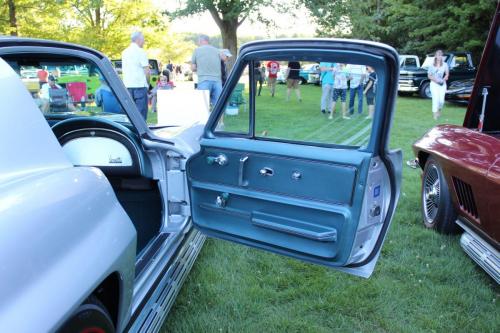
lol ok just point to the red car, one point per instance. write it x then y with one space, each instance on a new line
461 167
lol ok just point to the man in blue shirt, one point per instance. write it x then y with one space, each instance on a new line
327 85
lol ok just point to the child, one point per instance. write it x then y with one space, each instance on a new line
163 84
369 91
340 90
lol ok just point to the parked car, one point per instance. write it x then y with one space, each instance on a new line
461 167
460 91
407 61
415 80
103 217
310 73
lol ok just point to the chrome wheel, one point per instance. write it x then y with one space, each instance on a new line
431 194
428 91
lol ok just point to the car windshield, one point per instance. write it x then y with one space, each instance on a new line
429 60
65 87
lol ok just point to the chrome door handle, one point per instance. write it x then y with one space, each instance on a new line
241 171
220 159
267 172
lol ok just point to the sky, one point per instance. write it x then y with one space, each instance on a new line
286 24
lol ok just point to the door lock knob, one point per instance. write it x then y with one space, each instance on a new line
221 200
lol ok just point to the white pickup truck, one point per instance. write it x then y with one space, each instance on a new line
408 61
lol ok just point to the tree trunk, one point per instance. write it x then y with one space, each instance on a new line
228 30
12 17
98 18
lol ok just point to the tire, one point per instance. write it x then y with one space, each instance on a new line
425 90
303 81
90 317
437 208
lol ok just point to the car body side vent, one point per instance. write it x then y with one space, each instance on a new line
465 197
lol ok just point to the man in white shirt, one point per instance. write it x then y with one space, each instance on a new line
135 70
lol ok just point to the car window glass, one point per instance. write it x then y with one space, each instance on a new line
235 119
323 102
411 62
459 61
64 86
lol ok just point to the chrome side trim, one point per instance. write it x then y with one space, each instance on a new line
155 311
480 251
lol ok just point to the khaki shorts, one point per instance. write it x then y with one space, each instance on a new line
271 81
292 83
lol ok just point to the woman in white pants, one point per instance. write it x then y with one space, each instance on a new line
438 74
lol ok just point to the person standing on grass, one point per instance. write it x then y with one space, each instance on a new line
225 54
327 81
339 90
206 62
43 76
273 67
258 77
356 78
136 73
293 79
438 73
370 90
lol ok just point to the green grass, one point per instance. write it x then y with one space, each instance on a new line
423 281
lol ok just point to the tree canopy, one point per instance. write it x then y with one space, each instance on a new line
411 26
228 15
105 25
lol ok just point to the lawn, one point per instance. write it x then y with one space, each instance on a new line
423 281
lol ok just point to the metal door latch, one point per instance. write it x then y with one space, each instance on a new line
375 211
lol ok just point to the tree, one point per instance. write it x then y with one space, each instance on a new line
32 18
105 25
411 26
228 15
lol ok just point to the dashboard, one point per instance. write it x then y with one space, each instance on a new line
112 147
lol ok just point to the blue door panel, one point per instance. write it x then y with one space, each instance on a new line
312 180
315 215
304 230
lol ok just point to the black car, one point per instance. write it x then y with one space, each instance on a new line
460 91
416 80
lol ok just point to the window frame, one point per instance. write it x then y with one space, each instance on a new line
299 54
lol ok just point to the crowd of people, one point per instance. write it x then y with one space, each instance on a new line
209 63
338 80
335 80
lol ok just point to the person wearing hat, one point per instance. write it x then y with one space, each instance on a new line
224 55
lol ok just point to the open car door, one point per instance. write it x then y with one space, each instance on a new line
278 174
